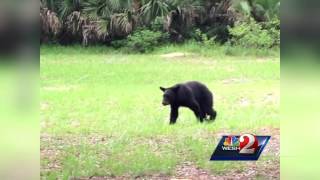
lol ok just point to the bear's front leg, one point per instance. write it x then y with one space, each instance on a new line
173 114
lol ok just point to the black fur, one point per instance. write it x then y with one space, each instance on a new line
194 95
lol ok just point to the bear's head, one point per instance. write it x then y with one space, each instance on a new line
169 95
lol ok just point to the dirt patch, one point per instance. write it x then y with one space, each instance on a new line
271 98
52 148
190 58
235 81
59 88
188 171
273 146
176 55
44 106
58 141
268 167
243 102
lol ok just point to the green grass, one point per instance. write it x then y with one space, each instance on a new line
101 111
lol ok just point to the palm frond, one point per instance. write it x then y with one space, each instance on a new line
66 7
120 24
154 8
50 24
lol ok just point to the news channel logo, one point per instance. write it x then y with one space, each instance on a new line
240 147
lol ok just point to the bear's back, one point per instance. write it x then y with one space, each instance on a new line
199 90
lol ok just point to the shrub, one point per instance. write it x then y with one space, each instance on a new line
119 43
145 40
273 28
203 38
157 24
251 34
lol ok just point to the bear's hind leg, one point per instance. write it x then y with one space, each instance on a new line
203 111
212 114
197 111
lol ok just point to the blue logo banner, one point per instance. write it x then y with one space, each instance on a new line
240 148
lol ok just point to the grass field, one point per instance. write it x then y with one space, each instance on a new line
101 112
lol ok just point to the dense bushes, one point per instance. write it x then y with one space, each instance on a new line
251 34
142 40
140 26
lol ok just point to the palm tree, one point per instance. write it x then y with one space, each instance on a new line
98 20
271 8
261 10
136 6
116 15
154 8
205 14
50 25
105 8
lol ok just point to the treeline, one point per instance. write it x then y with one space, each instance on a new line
140 24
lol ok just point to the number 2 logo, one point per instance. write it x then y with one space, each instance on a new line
248 144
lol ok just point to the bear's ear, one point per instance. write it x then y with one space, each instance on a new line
163 89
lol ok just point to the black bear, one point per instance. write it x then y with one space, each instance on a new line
193 95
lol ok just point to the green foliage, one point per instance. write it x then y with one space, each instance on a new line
66 7
119 43
104 21
157 24
251 34
154 8
145 40
265 9
203 38
142 40
271 8
105 8
273 27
